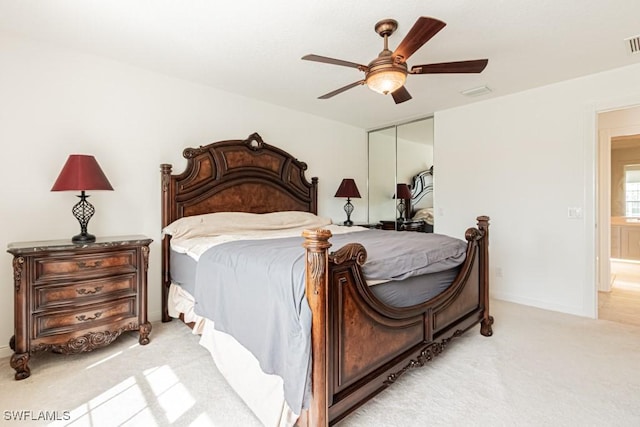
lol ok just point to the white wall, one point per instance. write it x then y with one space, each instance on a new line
524 160
55 102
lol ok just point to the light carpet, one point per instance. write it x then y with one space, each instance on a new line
540 368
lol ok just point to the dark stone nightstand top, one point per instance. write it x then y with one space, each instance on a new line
66 244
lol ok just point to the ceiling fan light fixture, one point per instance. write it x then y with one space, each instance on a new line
386 81
387 73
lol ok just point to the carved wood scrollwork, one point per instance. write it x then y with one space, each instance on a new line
85 265
18 264
426 355
473 234
84 291
352 251
84 318
190 153
316 262
485 327
145 257
145 330
165 170
87 342
316 243
20 362
254 142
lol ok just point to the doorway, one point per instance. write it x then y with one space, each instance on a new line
619 230
622 303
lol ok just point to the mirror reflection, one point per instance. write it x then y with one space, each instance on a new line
401 158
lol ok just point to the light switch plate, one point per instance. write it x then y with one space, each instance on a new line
574 213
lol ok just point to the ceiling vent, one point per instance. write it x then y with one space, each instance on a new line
476 91
633 44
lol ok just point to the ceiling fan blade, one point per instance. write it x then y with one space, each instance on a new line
326 60
421 32
401 95
475 66
342 89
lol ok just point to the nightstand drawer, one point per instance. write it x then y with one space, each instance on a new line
80 266
88 317
52 295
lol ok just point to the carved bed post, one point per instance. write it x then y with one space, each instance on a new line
317 244
166 219
487 320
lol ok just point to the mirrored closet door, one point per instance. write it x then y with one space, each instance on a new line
401 176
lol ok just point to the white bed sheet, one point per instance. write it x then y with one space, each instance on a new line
196 246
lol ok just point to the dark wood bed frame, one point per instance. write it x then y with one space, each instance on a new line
359 344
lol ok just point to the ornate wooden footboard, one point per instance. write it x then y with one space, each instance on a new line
359 344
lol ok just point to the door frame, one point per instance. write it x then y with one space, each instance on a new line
603 197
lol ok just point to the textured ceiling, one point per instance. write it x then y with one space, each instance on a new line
253 47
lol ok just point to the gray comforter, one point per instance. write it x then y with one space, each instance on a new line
254 290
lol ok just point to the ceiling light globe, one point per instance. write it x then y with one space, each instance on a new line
386 81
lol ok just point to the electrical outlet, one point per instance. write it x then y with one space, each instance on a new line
498 271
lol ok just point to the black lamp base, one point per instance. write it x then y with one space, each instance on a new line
401 209
348 208
83 211
83 238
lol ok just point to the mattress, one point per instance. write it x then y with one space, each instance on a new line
397 293
183 271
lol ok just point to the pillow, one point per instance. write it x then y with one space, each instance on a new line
424 214
219 223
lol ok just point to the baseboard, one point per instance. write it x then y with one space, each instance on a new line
5 351
545 305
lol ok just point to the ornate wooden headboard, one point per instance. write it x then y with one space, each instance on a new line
233 176
237 176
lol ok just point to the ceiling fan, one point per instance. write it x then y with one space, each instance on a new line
388 72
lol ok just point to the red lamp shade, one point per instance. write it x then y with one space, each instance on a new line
348 188
403 191
81 172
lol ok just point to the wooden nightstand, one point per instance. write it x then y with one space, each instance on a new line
72 297
406 225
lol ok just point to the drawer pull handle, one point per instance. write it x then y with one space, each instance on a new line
84 291
95 264
83 318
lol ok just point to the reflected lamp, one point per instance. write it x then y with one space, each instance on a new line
403 193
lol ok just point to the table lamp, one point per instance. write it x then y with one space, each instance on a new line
348 189
80 173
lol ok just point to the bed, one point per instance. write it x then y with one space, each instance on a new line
357 343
